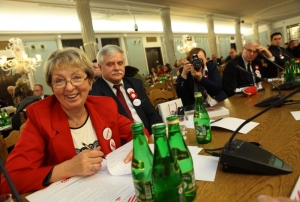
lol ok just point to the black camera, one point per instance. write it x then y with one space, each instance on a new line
197 62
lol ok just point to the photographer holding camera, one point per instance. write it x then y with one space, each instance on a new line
198 75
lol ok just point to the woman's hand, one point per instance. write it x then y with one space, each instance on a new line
86 162
128 157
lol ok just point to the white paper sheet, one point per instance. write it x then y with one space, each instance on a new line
296 191
115 160
296 115
98 187
228 123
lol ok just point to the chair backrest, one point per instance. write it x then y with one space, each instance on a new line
161 86
157 96
3 150
22 126
12 138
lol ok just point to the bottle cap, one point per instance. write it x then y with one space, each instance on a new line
172 119
158 128
197 94
137 127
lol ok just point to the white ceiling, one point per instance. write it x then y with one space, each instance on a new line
187 16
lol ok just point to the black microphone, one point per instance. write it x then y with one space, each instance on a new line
268 101
10 183
245 157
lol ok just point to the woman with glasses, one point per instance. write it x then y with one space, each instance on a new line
69 133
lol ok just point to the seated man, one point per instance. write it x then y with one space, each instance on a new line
234 78
281 54
38 90
128 92
207 78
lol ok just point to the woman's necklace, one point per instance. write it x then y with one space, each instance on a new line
77 122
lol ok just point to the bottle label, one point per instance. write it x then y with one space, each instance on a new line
180 154
200 130
137 164
181 192
189 181
143 190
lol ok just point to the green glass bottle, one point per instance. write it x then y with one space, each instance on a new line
183 157
1 119
6 118
141 166
166 173
201 121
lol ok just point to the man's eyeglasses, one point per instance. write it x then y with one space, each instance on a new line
251 51
75 81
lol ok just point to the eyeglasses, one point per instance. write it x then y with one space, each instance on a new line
75 81
251 51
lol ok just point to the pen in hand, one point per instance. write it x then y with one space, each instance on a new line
89 148
216 120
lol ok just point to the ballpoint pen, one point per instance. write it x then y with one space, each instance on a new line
216 120
89 148
86 146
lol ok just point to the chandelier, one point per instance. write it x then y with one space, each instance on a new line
187 44
21 63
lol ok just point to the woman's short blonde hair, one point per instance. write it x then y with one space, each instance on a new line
67 57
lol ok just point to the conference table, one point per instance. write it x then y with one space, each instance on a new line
278 132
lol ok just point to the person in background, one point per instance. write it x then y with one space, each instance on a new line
174 71
22 90
129 93
281 54
286 45
265 198
131 71
234 78
232 54
11 90
38 90
161 70
2 103
97 70
153 71
167 68
292 45
216 60
207 78
51 150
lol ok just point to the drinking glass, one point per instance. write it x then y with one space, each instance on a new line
182 124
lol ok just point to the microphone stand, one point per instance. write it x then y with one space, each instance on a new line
238 158
260 113
10 183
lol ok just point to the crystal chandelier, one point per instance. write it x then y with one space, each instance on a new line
21 63
187 45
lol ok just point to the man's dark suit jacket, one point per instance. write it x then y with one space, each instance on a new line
147 113
276 51
235 78
212 84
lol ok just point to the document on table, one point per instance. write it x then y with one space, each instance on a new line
101 186
296 115
228 123
296 191
115 160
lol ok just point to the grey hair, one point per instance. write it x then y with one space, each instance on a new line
251 42
108 50
67 57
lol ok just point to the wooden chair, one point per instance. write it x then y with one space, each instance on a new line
161 86
3 150
157 96
6 143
